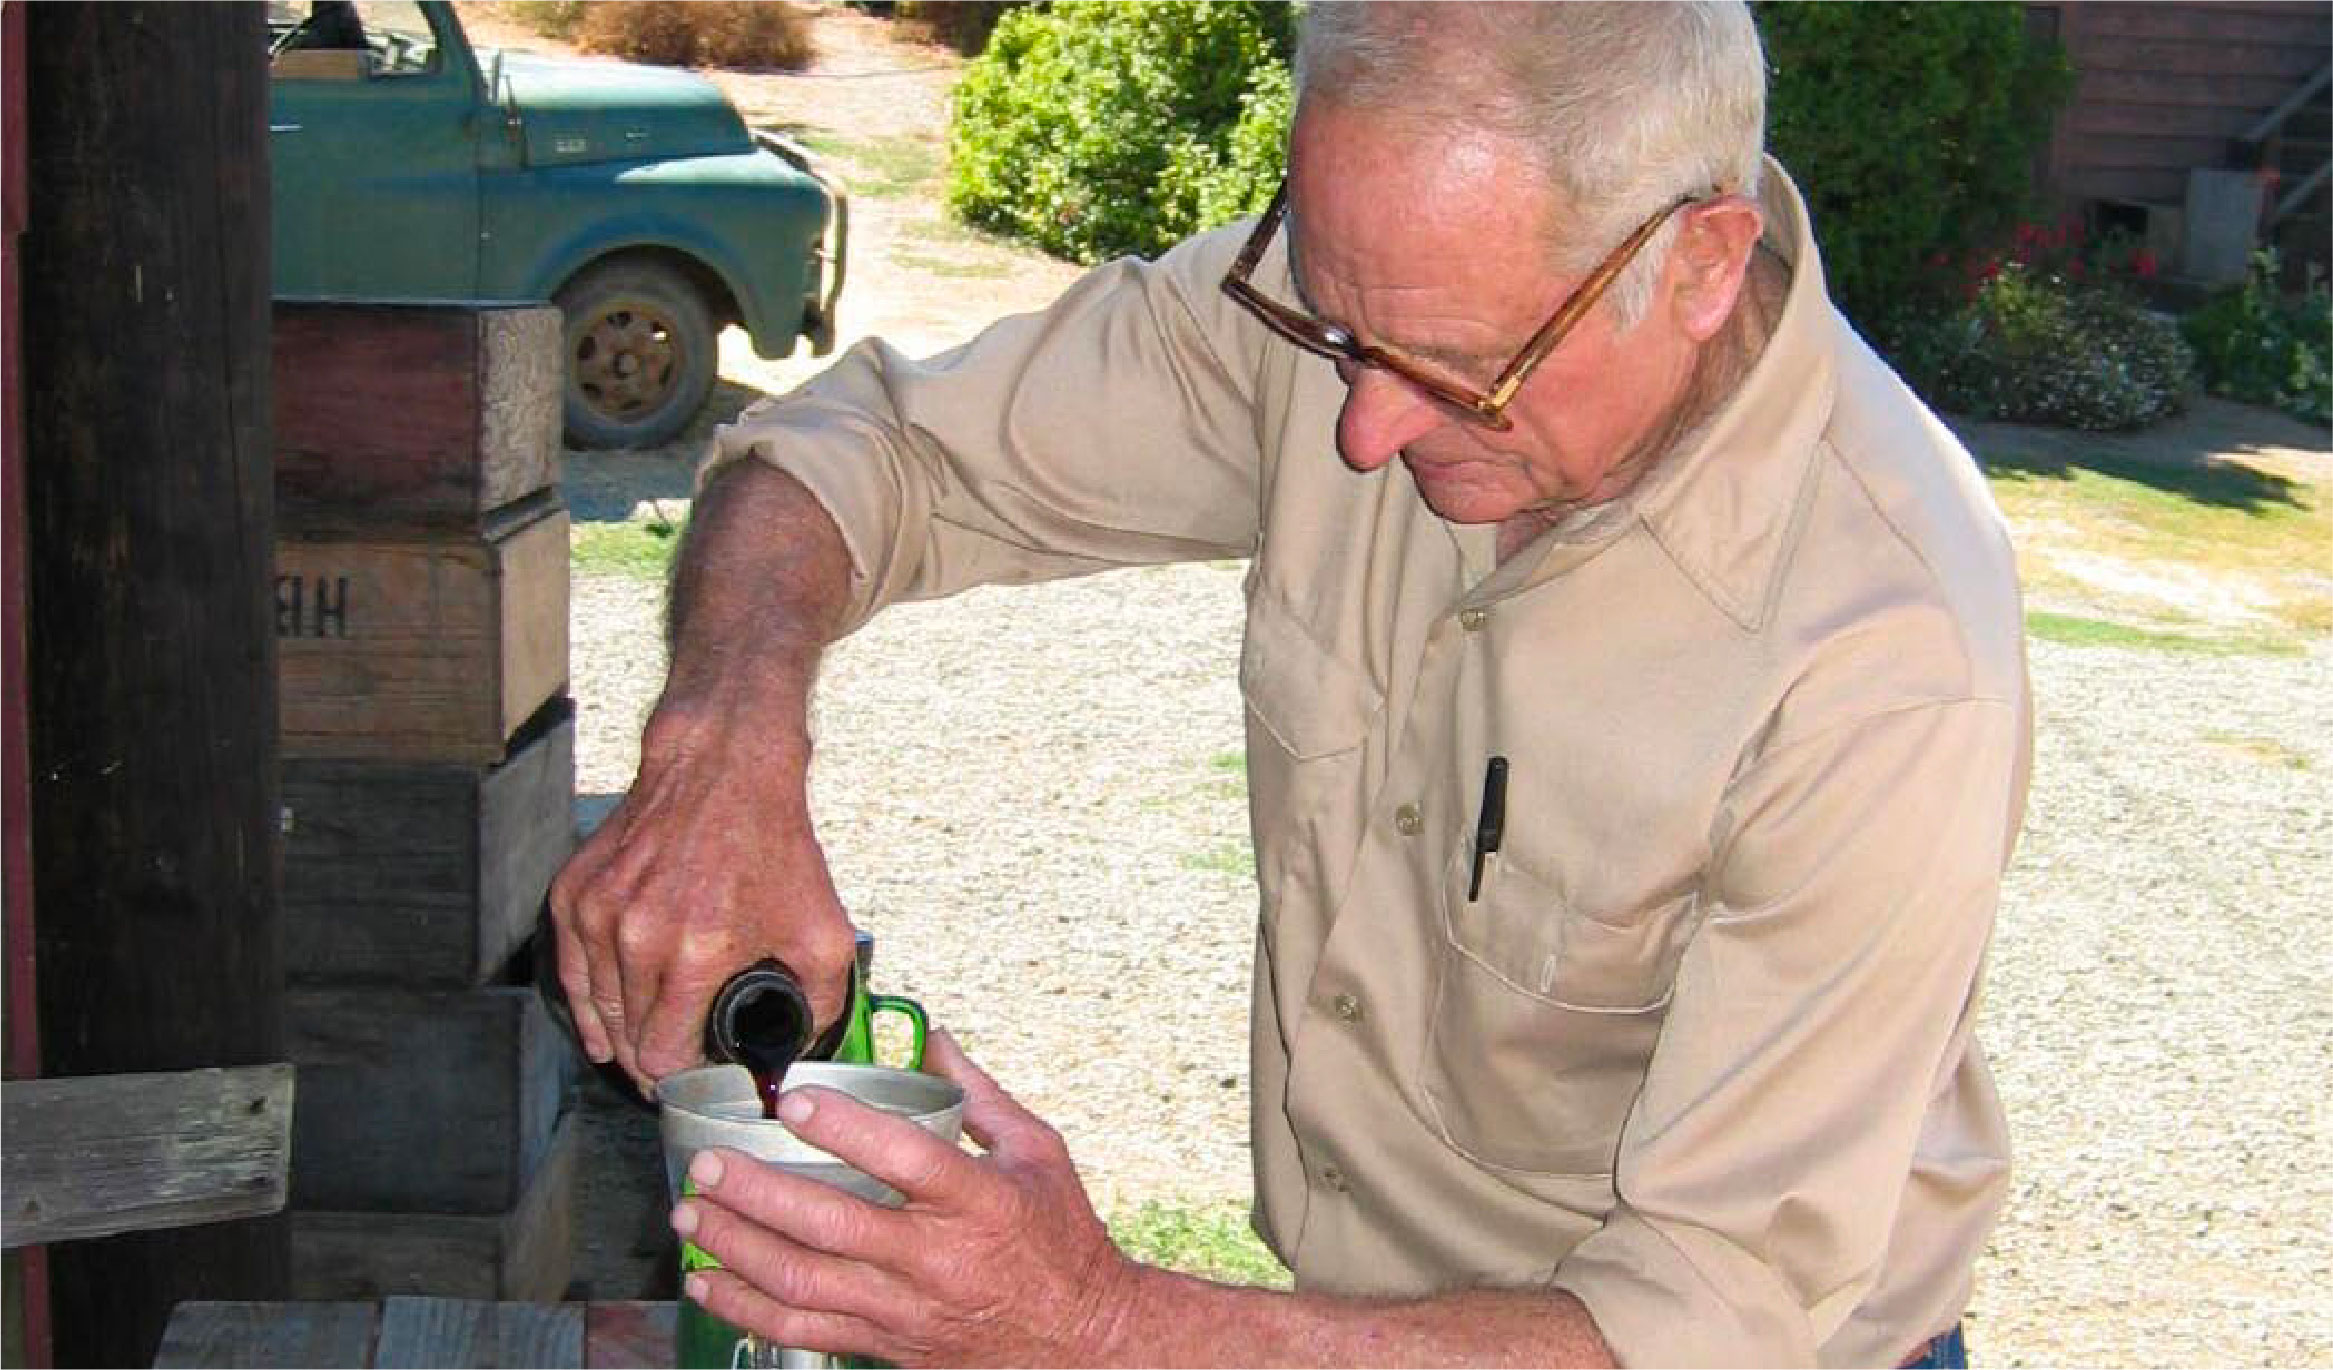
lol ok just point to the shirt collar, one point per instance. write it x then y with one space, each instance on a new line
1723 505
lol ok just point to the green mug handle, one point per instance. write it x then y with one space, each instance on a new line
906 1008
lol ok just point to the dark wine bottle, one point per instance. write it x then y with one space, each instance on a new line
761 1020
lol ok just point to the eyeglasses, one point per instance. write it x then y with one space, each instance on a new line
1486 407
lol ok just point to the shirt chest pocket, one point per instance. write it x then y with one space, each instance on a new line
1308 715
1544 1017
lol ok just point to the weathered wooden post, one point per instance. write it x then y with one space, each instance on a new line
150 633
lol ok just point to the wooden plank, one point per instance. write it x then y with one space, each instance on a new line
417 649
2291 62
628 1335
2253 94
328 1336
419 874
422 1100
2219 124
405 415
526 829
91 1156
2208 22
2098 150
533 619
523 1254
427 1332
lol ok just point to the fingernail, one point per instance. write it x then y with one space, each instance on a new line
695 1286
684 1218
795 1107
705 1168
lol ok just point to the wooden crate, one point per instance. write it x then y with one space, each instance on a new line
424 874
403 648
422 1101
524 1253
412 415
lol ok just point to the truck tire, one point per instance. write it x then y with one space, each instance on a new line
640 354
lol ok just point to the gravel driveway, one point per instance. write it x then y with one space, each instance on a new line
1028 795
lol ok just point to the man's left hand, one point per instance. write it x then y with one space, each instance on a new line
995 1259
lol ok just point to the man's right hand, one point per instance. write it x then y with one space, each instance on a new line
709 863
706 866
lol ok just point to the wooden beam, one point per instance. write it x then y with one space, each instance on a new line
96 1155
419 1332
150 649
294 1336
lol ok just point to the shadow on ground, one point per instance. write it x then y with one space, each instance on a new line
2210 480
609 487
2218 453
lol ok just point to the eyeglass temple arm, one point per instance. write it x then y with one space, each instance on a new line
1582 300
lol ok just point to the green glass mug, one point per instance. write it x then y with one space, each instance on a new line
766 1001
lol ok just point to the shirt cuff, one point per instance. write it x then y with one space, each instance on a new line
1687 1298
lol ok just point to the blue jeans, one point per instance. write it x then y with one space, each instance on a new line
1948 1351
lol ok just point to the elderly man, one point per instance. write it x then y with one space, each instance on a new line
1632 768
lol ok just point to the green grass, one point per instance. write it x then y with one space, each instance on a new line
1230 859
1230 780
2075 630
884 168
2153 547
954 268
1211 1241
2266 750
643 551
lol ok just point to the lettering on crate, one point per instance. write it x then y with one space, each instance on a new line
311 606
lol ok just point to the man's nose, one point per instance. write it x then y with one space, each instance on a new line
1383 414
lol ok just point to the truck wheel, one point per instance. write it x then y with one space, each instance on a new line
640 354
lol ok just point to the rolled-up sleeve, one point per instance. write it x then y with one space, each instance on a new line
1116 427
1821 1006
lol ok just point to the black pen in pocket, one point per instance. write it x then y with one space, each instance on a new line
1491 827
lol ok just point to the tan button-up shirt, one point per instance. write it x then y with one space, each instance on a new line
1699 1050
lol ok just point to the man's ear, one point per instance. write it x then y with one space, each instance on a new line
1709 261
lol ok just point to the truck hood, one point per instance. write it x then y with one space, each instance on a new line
577 112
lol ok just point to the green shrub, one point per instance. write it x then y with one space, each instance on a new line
2033 347
1222 183
1911 129
2260 346
1094 129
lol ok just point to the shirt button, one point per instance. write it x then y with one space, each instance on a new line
1335 1179
1348 1008
1473 619
1407 822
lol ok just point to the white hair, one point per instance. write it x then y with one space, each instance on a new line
1628 106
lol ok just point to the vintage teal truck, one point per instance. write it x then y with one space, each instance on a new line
408 165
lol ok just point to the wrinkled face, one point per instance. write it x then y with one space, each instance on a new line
1431 240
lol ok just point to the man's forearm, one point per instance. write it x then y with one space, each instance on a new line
1168 1319
761 586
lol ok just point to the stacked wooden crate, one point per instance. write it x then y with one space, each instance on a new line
428 788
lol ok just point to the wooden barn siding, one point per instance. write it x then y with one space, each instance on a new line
2163 87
